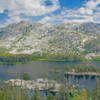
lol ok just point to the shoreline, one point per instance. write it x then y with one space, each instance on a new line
40 84
83 74
50 60
79 73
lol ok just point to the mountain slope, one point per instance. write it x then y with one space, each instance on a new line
26 38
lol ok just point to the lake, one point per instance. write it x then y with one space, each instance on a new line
1 33
36 69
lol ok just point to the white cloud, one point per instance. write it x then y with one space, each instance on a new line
83 10
89 12
69 16
28 7
15 19
1 11
45 19
92 4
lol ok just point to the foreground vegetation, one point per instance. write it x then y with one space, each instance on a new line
67 92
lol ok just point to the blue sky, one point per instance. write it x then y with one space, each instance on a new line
72 4
49 11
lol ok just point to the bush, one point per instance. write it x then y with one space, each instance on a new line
26 76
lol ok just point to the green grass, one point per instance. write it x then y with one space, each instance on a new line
96 58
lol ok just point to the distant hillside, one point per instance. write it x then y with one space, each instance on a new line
64 39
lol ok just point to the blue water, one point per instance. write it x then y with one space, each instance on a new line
36 69
1 33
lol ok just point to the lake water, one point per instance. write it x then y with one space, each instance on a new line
36 69
1 33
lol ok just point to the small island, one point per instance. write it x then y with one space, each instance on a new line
80 70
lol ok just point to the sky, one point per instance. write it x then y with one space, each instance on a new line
49 11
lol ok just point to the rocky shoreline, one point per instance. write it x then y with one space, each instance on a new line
83 73
41 84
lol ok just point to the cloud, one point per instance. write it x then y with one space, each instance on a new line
92 4
89 12
15 19
1 11
16 8
83 10
69 16
28 7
